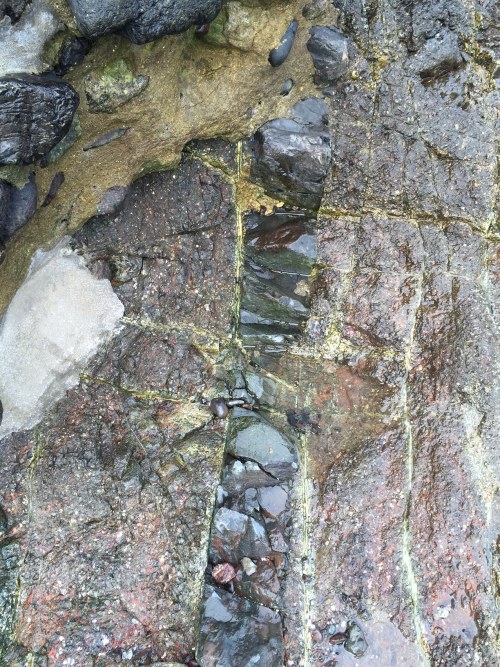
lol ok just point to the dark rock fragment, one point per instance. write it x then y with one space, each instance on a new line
273 501
329 50
72 53
105 138
35 114
253 438
57 181
1 412
17 206
355 642
262 585
235 631
238 477
438 56
287 87
219 408
291 161
111 200
236 535
278 55
142 20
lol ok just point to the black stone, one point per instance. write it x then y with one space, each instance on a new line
17 206
71 54
291 160
329 50
236 535
219 408
57 181
287 87
278 55
142 20
35 114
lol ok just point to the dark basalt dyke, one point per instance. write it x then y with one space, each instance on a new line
241 621
35 114
280 251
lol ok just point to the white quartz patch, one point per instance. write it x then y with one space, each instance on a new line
21 44
55 323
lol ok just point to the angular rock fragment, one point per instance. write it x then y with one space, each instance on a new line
238 477
113 86
255 439
235 631
236 535
280 252
72 53
291 159
262 585
35 114
328 47
141 20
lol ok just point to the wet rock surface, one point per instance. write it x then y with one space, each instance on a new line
291 157
35 114
337 276
142 20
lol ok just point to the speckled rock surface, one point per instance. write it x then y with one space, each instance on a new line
378 548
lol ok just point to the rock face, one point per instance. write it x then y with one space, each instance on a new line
35 114
330 281
142 20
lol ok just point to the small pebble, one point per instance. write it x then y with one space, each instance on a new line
287 87
223 573
248 566
105 138
278 55
219 408
57 181
202 30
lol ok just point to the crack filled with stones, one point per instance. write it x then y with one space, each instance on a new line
260 510
258 504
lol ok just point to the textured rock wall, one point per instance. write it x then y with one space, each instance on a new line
336 273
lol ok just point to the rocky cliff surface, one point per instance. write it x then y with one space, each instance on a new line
275 443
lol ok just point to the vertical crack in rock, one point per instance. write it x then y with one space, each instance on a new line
259 562
407 558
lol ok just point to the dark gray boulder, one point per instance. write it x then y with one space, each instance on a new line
329 50
100 17
291 158
35 114
142 20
